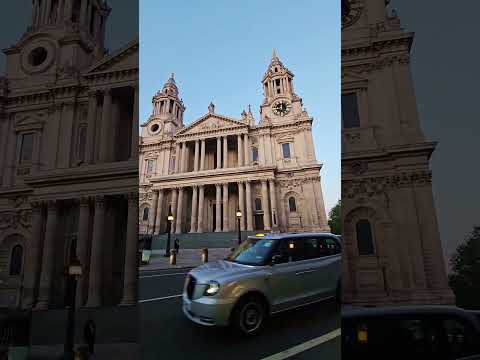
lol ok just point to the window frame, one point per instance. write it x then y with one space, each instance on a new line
372 238
358 122
10 260
289 151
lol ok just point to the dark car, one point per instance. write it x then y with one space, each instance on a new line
410 332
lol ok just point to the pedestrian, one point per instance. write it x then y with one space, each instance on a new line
177 245
89 335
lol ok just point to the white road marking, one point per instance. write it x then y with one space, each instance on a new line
161 298
159 275
305 346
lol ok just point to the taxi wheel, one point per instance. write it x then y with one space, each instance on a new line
249 315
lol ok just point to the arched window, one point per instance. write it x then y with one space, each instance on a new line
364 238
258 204
16 260
292 204
145 213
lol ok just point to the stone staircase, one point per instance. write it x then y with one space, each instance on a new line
198 241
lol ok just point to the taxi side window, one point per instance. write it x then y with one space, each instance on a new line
291 250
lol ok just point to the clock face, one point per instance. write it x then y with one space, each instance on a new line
281 108
351 11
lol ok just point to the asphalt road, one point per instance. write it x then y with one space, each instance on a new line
167 334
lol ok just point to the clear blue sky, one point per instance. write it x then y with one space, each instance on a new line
219 51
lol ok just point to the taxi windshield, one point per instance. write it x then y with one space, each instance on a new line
253 252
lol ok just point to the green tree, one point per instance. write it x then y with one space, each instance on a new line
465 276
335 219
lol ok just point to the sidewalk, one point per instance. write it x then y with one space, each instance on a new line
120 351
185 259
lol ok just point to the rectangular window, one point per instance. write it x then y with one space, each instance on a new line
170 109
286 150
26 149
150 166
350 117
254 154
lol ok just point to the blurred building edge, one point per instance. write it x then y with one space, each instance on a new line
69 160
393 253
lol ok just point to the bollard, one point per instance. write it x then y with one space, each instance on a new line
173 257
205 255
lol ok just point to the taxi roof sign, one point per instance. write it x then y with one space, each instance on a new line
260 235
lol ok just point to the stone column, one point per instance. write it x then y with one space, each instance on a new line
82 246
32 257
178 229
95 280
202 155
265 205
158 221
218 208
246 146
177 158
193 221
273 200
83 12
134 146
239 150
248 195
184 157
48 256
241 205
201 197
225 151
153 213
174 208
92 121
130 277
225 208
196 157
219 152
105 125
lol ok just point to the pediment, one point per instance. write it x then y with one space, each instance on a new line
353 79
211 122
123 59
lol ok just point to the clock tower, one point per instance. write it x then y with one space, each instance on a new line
280 102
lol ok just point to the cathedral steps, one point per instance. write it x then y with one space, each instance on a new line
200 240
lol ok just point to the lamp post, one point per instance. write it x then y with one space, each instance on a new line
169 221
73 271
239 216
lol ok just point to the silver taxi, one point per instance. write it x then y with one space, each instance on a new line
265 275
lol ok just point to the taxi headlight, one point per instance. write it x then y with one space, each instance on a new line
212 288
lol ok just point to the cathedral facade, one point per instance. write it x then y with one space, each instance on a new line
203 173
393 253
69 160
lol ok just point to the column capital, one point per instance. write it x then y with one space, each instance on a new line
218 185
36 205
263 181
84 200
92 93
51 205
99 200
195 186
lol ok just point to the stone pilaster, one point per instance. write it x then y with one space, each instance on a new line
239 150
196 156
158 221
82 246
178 228
225 151
201 197
248 195
105 133
48 256
225 208
202 155
130 278
193 220
219 152
241 204
95 279
218 208
273 200
265 205
153 213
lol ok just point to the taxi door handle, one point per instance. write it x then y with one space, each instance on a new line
305 271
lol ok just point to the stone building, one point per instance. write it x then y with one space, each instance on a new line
69 172
204 172
393 252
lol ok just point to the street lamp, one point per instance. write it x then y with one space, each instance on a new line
239 216
73 272
169 227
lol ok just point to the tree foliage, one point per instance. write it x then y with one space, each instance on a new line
465 276
335 218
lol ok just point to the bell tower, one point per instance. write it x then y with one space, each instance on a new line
167 111
64 37
280 101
